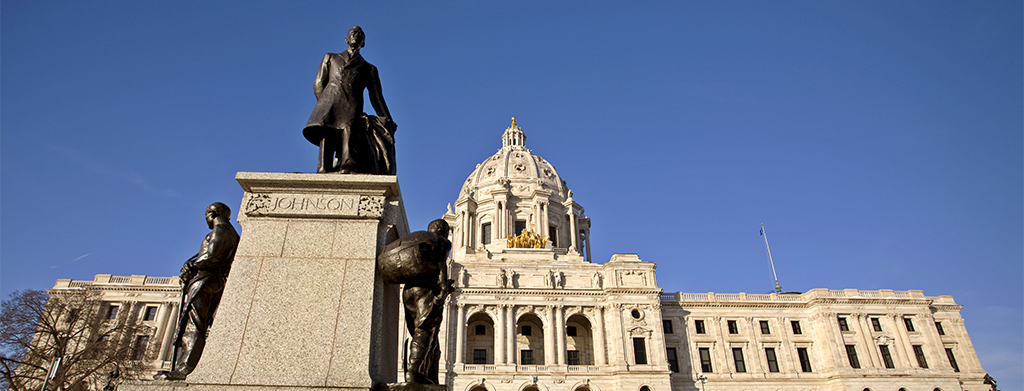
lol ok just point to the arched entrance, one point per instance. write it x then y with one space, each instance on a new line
579 342
530 340
479 340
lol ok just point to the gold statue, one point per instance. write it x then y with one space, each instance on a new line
527 238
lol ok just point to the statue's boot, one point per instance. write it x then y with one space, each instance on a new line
417 352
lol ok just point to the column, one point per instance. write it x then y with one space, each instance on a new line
460 334
510 221
464 232
833 334
169 322
559 336
572 229
902 343
543 228
599 348
587 248
499 227
866 357
549 336
510 334
499 335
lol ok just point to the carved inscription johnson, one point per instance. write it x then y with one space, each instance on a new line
333 205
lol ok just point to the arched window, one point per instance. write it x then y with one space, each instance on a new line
645 388
579 343
478 388
530 344
479 341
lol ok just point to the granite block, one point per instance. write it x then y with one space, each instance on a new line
226 332
351 239
262 237
309 238
352 341
295 313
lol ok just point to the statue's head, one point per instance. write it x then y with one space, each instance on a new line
216 210
439 227
356 38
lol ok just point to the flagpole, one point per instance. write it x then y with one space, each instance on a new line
778 288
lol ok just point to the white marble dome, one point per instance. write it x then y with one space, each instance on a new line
517 167
511 191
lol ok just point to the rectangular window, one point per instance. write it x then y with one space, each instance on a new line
842 325
570 331
485 233
667 326
805 360
952 360
479 356
139 351
525 357
773 362
733 328
851 354
573 357
553 235
876 324
919 353
764 327
938 326
526 330
737 358
886 357
520 226
705 359
639 351
909 323
480 330
112 312
673 362
796 327
150 314
698 325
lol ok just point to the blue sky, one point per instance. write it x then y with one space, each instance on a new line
879 142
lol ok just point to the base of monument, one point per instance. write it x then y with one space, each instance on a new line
415 387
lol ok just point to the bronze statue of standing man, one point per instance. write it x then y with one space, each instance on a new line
419 260
202 278
350 141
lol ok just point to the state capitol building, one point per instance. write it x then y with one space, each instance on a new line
553 319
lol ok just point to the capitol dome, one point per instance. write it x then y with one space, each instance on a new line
514 190
517 166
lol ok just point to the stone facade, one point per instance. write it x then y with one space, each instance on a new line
550 320
152 302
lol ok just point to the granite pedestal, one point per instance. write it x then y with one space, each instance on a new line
303 306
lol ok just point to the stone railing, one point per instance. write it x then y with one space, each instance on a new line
477 367
108 279
812 294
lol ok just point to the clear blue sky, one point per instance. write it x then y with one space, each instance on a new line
880 142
